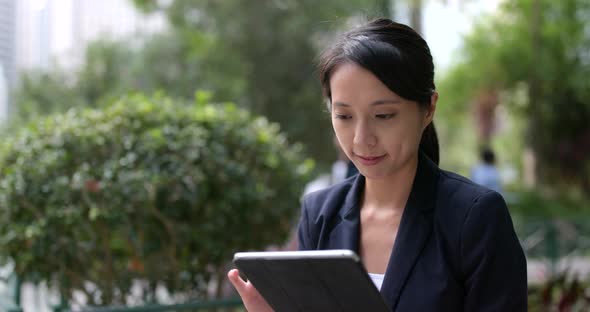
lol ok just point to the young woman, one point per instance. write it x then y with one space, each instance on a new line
430 239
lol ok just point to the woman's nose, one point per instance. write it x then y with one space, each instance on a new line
364 135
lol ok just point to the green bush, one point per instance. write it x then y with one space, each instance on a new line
554 204
147 189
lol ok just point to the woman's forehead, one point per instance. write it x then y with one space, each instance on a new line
350 81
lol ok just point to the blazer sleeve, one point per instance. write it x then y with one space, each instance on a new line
492 260
303 234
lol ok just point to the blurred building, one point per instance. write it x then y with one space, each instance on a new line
56 32
7 37
41 34
3 96
7 53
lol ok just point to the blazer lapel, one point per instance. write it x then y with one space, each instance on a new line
345 233
413 233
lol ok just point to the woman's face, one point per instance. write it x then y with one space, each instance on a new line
377 129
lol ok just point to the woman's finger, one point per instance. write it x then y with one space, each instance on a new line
238 282
252 300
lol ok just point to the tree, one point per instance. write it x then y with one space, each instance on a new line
416 14
106 73
262 58
539 45
267 50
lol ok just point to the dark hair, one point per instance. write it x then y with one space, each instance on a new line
398 56
488 156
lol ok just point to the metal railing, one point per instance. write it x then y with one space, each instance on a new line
552 239
232 304
218 305
10 302
9 306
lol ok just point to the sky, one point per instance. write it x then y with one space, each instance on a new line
445 23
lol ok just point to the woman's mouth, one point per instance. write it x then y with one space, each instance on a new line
369 160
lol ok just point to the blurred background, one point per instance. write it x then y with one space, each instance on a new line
143 142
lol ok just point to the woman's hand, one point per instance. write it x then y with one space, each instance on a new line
253 301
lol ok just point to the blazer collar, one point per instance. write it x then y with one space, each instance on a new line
413 233
414 230
346 232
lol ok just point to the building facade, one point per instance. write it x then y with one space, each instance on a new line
7 54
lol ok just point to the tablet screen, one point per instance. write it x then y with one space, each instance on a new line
322 280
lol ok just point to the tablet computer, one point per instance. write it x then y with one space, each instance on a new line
310 281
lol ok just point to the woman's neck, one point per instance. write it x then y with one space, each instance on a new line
391 193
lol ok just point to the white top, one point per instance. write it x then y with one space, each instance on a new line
377 279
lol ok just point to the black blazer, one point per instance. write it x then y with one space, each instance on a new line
455 250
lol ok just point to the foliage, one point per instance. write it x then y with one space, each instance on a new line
105 74
41 93
147 189
267 50
541 45
560 293
549 205
110 69
262 58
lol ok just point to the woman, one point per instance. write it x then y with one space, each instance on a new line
430 239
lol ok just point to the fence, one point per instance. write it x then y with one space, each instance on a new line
233 304
551 239
12 304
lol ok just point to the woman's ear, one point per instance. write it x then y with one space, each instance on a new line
430 110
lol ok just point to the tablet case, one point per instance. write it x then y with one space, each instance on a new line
311 281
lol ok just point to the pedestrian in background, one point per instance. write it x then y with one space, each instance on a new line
486 173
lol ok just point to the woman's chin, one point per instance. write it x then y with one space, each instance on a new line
373 174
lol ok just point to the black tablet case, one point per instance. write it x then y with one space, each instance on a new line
313 285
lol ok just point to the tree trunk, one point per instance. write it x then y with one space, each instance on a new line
533 93
416 15
385 8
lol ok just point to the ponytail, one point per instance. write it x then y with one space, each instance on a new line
429 143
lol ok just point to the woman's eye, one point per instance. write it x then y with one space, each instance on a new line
384 116
342 116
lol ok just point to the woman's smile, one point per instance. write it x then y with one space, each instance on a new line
369 160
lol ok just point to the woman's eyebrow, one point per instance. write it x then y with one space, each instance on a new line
389 101
377 102
340 104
